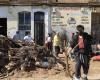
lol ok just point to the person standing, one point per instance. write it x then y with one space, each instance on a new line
82 52
49 42
56 43
28 37
16 37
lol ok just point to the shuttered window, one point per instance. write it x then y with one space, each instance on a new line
24 20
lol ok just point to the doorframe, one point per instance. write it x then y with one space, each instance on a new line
41 27
46 20
6 24
96 27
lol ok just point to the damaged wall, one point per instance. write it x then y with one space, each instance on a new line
67 18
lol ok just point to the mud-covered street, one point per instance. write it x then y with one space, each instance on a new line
57 73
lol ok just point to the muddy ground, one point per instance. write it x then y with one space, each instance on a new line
57 73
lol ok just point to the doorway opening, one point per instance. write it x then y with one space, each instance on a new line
95 27
39 28
3 26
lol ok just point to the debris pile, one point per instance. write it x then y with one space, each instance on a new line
25 56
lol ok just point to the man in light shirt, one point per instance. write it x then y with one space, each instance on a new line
28 37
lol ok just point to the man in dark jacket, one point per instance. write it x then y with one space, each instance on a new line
82 51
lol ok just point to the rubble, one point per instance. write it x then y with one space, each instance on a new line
25 56
17 57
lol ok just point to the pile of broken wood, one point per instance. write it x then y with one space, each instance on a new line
22 56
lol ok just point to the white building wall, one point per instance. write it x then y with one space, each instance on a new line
12 22
11 13
3 11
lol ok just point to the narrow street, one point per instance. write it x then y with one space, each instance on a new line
30 30
55 73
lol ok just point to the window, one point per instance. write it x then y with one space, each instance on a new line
24 20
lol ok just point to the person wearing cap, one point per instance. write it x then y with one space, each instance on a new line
82 52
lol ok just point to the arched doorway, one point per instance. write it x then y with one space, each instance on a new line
39 28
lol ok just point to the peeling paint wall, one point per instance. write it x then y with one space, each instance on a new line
67 18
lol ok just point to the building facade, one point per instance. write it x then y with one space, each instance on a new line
25 18
67 18
45 16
